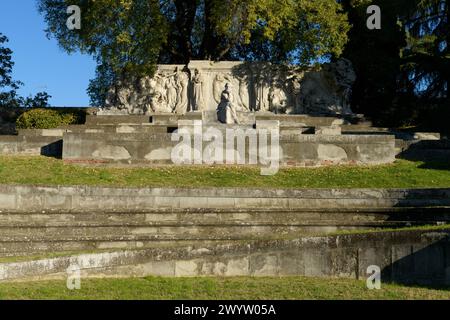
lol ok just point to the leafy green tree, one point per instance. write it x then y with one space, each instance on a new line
402 69
426 58
40 100
129 37
376 58
426 62
99 86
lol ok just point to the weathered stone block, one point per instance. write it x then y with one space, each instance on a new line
264 265
329 130
186 268
8 201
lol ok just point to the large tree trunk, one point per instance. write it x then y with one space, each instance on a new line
447 4
185 19
210 44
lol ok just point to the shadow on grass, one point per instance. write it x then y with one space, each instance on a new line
435 165
435 154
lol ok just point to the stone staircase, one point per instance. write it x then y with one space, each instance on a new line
35 220
37 233
131 232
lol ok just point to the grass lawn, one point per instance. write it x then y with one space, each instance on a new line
49 171
245 288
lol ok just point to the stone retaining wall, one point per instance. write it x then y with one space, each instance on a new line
82 198
407 257
294 149
31 145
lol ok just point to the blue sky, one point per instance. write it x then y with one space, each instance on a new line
39 62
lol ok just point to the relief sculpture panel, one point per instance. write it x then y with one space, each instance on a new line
253 86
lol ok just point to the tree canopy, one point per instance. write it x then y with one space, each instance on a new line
426 58
132 36
402 69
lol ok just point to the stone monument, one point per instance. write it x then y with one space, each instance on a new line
230 88
205 110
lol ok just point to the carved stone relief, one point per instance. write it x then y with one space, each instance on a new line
259 86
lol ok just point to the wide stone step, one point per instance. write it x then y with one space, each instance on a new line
37 248
24 242
88 199
137 233
197 219
222 218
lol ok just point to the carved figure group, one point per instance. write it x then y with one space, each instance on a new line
169 92
248 87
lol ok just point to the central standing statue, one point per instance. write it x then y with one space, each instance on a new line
199 100
226 112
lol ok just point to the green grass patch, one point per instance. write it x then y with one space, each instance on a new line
49 171
259 288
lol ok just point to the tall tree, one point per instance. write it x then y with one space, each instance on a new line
426 62
131 36
403 68
376 57
426 58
